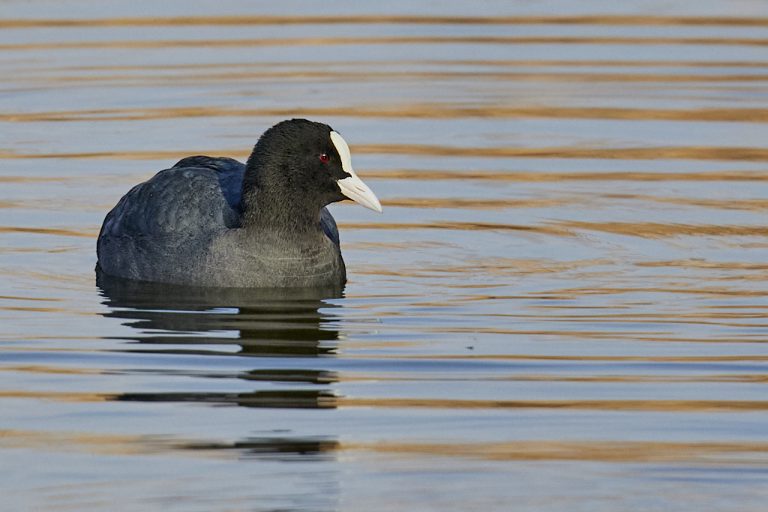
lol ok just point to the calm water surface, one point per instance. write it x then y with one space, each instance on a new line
562 308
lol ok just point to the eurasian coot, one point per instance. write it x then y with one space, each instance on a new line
217 222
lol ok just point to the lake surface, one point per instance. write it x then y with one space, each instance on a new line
563 307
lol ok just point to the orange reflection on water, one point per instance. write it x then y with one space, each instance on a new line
416 111
603 451
386 40
524 450
746 154
84 233
602 405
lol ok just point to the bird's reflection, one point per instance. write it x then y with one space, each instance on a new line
276 448
275 323
265 322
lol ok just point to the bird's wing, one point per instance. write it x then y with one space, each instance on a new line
328 223
197 195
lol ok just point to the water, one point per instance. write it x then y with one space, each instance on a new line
562 308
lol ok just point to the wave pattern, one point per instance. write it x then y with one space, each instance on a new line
568 283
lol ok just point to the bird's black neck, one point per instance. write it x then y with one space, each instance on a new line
263 210
272 203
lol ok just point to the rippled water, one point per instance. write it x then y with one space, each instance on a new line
563 306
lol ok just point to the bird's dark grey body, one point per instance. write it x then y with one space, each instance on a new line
198 224
184 226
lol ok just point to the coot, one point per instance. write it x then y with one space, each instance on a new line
217 222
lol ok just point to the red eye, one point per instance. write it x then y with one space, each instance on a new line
324 158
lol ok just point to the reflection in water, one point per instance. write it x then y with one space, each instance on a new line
386 40
320 448
719 153
263 322
282 399
276 448
416 111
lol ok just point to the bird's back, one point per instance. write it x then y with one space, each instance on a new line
168 219
197 195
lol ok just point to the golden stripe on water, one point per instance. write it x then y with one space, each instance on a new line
523 450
